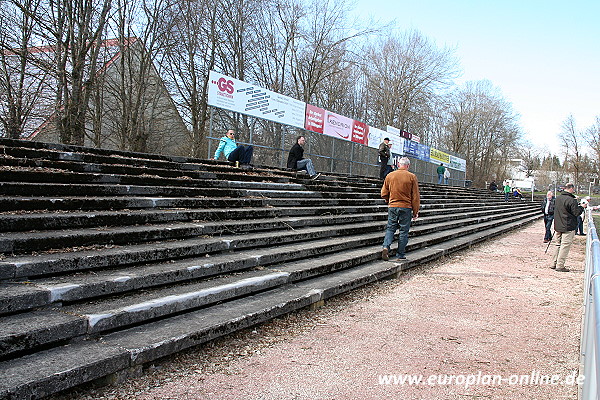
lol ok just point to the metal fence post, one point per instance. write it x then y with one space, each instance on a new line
210 130
332 153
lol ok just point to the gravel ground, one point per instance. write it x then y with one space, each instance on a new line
473 323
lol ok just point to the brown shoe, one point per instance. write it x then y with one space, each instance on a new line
384 254
563 269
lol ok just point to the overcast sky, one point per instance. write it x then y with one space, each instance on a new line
544 55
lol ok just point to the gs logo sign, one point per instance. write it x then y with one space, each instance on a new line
225 85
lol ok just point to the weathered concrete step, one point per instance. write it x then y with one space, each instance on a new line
61 189
24 332
89 155
65 203
43 292
135 308
469 202
74 364
11 222
49 264
23 242
38 152
136 176
60 203
38 241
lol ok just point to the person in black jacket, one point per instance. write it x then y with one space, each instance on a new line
566 210
297 161
384 156
548 210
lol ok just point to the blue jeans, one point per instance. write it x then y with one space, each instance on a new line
307 164
440 178
548 219
398 218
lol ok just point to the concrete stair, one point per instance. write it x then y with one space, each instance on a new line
111 260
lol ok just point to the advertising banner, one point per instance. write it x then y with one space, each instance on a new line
458 163
424 152
360 132
393 130
315 119
397 144
411 148
376 136
244 98
439 156
337 126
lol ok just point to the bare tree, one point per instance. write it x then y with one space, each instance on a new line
573 148
405 72
593 138
21 84
323 51
73 29
482 126
135 102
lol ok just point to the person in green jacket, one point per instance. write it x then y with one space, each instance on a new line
507 190
440 172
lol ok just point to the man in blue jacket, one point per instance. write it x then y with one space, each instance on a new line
566 210
233 152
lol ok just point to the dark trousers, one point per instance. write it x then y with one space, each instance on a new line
548 219
383 167
579 229
242 153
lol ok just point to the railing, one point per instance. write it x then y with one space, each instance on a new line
590 341
347 163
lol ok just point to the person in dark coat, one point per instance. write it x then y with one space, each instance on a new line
296 160
548 210
384 156
566 210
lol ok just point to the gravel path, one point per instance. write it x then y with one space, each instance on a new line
474 324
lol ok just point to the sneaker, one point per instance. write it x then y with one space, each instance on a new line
246 166
385 254
553 267
546 240
401 257
315 177
563 269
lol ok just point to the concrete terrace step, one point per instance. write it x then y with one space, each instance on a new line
42 292
118 312
70 220
44 221
47 264
18 203
73 364
21 242
29 266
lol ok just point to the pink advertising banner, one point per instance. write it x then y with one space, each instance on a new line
337 126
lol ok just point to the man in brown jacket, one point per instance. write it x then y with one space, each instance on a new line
401 192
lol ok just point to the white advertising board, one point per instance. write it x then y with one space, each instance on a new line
244 98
